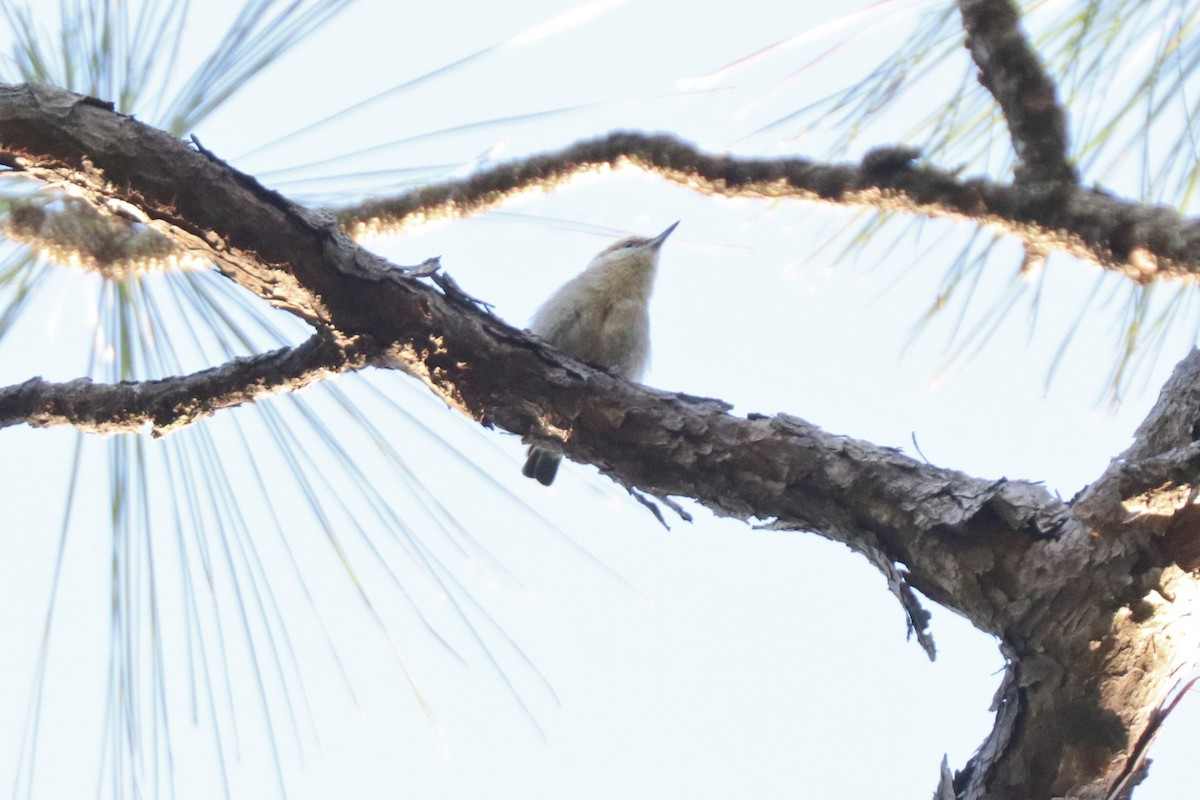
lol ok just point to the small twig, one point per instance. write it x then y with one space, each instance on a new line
917 447
454 292
678 509
648 503
1010 69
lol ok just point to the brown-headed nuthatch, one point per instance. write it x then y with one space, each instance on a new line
602 315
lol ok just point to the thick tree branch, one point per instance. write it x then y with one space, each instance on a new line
1090 680
1155 483
1094 626
780 468
1010 69
892 507
170 403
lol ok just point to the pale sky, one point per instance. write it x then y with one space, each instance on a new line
606 657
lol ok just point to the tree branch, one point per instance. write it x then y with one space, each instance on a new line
74 232
1010 69
1156 482
1094 627
1091 671
777 468
171 403
1145 243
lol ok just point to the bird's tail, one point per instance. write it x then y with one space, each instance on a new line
542 465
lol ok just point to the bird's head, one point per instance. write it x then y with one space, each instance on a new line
638 248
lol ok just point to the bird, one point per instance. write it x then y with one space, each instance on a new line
602 316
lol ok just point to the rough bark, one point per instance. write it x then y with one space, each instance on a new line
1145 243
1142 242
1087 602
170 403
1012 72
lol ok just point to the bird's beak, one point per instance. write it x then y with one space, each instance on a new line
657 241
